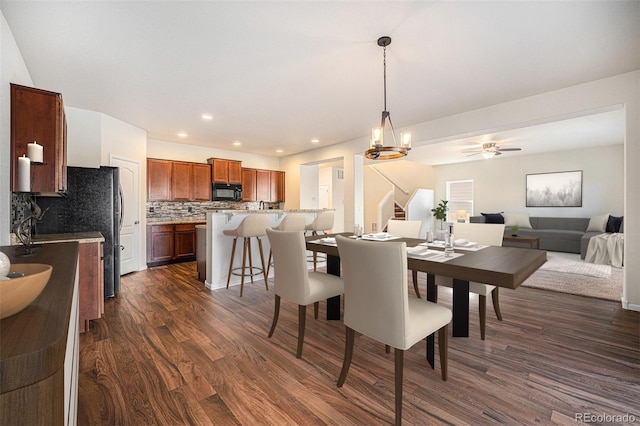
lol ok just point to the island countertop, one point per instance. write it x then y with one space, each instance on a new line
268 211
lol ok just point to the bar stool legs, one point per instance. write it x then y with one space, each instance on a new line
246 248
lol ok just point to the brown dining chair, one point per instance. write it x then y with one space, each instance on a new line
294 282
407 229
377 305
482 233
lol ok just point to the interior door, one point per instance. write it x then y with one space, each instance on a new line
130 230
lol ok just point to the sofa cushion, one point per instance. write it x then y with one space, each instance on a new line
613 224
598 223
493 218
569 223
519 219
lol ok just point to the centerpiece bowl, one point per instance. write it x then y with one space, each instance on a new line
18 293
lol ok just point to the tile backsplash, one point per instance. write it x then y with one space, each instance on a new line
194 210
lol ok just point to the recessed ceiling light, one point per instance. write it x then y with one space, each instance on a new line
316 140
237 143
207 116
279 150
183 134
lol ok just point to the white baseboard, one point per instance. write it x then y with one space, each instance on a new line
629 306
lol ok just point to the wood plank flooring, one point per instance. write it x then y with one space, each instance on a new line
168 351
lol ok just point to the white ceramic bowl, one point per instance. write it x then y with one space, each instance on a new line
18 293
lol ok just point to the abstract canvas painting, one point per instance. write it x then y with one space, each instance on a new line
559 189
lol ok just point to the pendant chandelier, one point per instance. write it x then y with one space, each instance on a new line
378 151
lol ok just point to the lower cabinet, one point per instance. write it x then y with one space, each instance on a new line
171 243
91 288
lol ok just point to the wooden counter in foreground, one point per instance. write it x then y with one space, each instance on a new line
39 345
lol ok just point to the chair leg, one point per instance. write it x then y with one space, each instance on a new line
482 310
399 358
443 344
315 260
276 314
316 308
348 353
233 252
495 297
302 316
244 263
248 239
414 275
387 349
266 281
268 265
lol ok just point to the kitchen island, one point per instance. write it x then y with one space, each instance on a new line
219 245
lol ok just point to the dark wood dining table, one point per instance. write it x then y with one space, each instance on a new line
505 267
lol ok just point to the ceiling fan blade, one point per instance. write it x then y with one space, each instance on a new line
475 153
468 151
509 149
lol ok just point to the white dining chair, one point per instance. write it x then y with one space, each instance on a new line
377 304
482 233
407 229
322 223
294 282
291 222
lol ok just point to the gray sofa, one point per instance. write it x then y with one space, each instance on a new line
556 233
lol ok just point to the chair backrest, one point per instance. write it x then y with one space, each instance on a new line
323 221
254 225
483 233
404 228
375 288
292 222
291 279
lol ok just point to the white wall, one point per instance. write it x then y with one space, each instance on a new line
499 183
12 70
199 154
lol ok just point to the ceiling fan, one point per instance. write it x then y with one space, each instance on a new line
489 150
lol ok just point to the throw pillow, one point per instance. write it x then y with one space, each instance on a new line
493 217
520 219
613 224
598 223
621 230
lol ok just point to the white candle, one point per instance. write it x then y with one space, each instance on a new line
24 174
35 152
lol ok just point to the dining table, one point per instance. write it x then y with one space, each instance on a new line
505 267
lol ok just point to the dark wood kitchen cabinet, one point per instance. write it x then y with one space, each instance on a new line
91 290
171 243
225 171
158 179
178 181
38 115
277 186
248 185
262 185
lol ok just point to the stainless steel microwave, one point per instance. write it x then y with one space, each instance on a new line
226 192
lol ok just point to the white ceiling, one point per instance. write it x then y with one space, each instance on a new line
277 74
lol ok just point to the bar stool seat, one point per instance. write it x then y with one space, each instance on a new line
322 223
252 226
291 222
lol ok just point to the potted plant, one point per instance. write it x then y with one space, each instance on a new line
440 212
514 230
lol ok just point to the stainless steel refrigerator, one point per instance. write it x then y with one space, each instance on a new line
93 202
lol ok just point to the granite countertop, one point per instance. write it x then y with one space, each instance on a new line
170 221
80 237
268 211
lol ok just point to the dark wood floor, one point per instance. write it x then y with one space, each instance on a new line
168 351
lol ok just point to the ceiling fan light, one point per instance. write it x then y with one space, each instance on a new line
488 154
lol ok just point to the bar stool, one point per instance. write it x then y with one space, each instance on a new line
291 222
322 223
254 225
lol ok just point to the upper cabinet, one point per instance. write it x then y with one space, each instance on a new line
225 171
262 185
38 115
178 181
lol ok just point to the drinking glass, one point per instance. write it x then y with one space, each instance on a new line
448 244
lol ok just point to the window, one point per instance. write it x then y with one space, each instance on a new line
460 196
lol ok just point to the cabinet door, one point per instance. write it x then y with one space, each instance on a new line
181 181
158 180
248 185
184 242
201 182
91 287
219 170
159 243
263 185
277 186
235 171
38 115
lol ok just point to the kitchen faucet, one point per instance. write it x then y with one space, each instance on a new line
261 205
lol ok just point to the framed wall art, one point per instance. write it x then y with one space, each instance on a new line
559 189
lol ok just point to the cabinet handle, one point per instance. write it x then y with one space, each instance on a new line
136 222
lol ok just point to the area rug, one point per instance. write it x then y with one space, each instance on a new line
571 263
607 288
